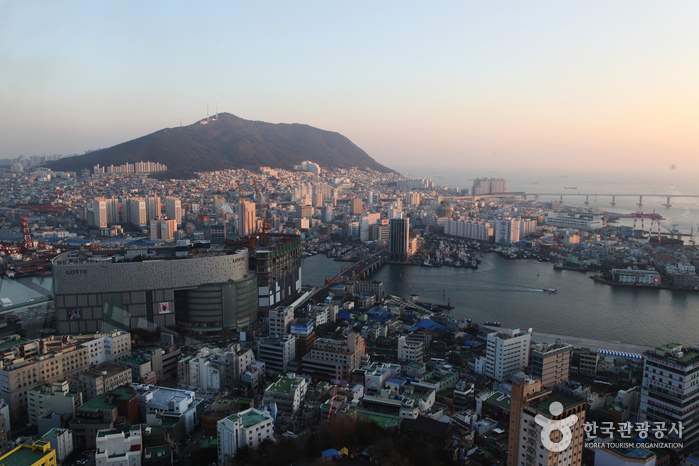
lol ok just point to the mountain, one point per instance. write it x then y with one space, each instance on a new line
229 142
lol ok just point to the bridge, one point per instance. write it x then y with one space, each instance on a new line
360 270
587 196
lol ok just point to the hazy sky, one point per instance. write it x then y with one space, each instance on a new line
478 83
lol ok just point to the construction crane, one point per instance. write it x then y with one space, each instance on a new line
262 231
330 411
27 241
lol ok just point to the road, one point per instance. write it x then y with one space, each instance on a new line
578 342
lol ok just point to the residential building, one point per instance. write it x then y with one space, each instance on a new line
248 428
100 379
173 209
507 353
410 350
280 321
277 353
488 186
61 441
246 218
103 412
551 363
669 393
288 392
47 398
119 448
27 363
175 403
5 425
335 359
532 405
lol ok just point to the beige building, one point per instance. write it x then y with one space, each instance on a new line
335 359
551 363
27 363
533 441
101 379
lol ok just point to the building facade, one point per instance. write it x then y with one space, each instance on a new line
507 353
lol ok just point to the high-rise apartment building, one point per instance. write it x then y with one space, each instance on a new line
137 212
356 206
507 353
489 186
399 237
507 231
670 393
173 209
534 407
246 218
99 209
152 207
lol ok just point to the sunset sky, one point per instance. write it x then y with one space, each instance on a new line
570 84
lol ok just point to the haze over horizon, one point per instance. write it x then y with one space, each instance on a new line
581 84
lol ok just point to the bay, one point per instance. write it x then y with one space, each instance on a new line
504 290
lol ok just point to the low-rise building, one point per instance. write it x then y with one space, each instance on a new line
248 428
119 448
47 398
61 441
287 392
39 453
178 406
100 379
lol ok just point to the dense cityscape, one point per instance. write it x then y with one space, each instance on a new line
180 328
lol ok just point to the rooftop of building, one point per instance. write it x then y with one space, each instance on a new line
282 385
676 352
53 433
543 403
136 360
26 454
251 418
99 402
110 368
499 399
11 343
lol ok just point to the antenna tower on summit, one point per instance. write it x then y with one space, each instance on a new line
216 118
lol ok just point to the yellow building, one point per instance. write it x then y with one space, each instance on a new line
38 454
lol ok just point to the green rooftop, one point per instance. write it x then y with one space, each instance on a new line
251 418
25 455
98 402
283 385
160 450
384 422
542 404
206 442
53 433
134 360
11 343
500 400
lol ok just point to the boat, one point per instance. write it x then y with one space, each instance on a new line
550 290
570 187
